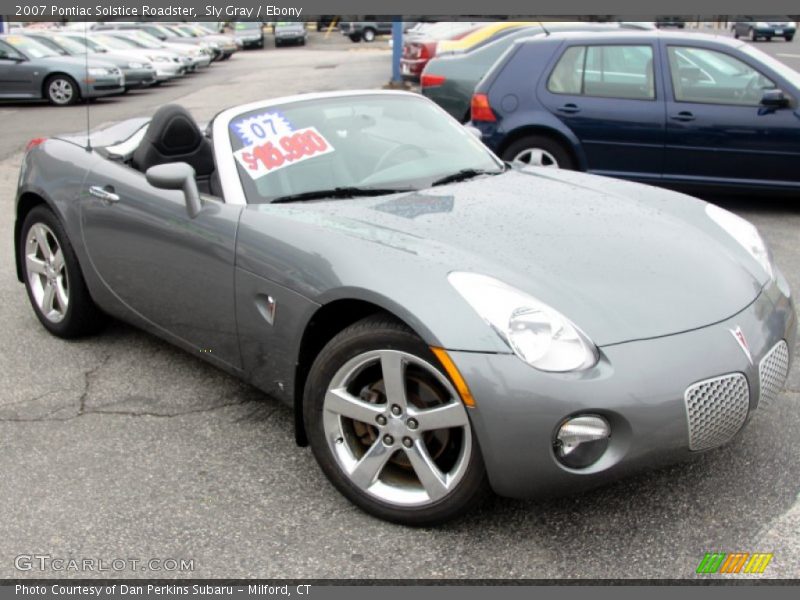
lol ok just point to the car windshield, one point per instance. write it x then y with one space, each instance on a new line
246 25
115 43
144 40
68 44
30 47
358 142
782 69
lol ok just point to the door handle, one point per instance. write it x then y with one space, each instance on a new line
570 109
104 193
684 115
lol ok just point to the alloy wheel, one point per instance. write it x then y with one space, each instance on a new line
47 273
536 157
397 428
61 91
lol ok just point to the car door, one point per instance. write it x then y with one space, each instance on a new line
717 129
17 74
173 271
608 95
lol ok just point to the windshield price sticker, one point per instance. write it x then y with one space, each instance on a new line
260 128
264 158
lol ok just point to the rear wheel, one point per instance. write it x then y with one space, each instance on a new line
788 38
388 428
53 278
355 37
753 35
539 151
61 90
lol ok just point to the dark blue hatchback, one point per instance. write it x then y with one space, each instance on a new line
665 108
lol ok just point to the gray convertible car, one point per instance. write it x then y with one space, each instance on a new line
441 323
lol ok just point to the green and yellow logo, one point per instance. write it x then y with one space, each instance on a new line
734 562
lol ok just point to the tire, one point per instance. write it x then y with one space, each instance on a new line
71 313
753 35
352 363
735 33
61 90
552 152
788 38
355 37
368 35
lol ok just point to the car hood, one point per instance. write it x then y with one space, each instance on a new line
623 261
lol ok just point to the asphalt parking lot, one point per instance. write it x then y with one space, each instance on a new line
121 446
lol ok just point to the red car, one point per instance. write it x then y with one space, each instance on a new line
419 45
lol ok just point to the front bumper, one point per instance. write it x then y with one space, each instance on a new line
136 78
775 31
168 70
103 85
638 387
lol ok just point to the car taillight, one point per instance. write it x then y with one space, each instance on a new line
427 50
33 143
431 80
480 110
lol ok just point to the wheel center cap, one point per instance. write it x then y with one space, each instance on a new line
396 427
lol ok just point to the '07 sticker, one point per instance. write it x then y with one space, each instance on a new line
272 155
259 128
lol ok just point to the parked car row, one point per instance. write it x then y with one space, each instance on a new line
663 107
66 66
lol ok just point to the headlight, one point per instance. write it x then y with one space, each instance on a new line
745 233
99 71
536 332
761 25
158 58
135 65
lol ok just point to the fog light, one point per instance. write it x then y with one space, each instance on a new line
581 440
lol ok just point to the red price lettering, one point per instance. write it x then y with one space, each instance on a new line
269 155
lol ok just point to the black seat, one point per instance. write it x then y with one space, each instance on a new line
173 136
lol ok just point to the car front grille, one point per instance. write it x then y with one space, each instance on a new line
716 410
772 372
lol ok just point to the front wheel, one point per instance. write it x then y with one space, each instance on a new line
788 38
388 428
61 90
368 35
539 151
53 278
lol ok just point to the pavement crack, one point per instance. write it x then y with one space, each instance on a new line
88 376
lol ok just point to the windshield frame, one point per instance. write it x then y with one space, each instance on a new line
232 190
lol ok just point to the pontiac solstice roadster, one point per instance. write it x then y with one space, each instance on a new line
442 323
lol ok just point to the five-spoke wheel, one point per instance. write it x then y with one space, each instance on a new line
389 428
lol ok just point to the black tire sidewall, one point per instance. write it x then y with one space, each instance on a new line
554 147
367 335
82 316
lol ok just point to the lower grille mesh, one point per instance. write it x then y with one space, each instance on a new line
772 372
716 409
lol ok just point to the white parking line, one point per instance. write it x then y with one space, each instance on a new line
789 55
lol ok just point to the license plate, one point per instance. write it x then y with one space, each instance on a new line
779 32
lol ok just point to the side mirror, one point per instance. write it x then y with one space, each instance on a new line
177 176
774 99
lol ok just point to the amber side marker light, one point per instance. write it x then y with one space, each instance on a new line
455 376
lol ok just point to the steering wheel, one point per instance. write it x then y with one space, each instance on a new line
390 154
